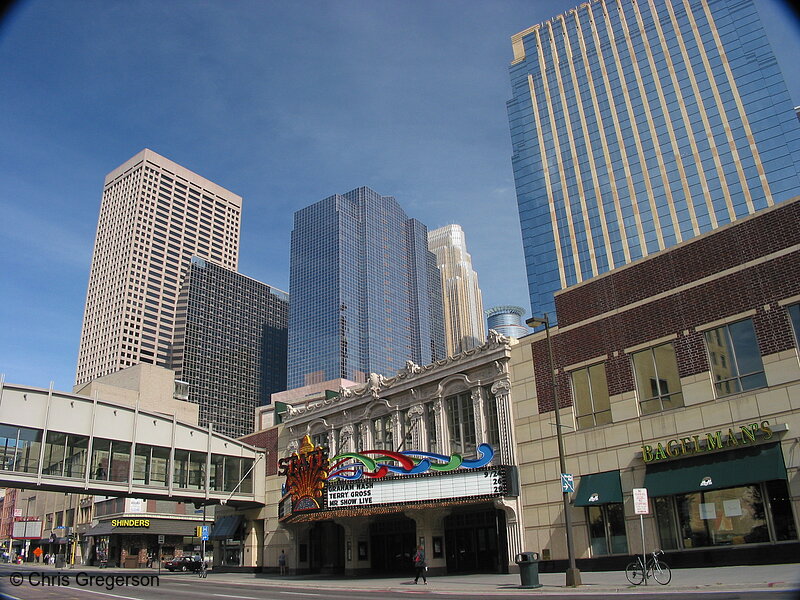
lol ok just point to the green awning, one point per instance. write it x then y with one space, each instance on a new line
226 527
715 471
598 488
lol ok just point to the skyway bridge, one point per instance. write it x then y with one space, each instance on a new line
63 442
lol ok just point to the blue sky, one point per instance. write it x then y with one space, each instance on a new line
284 103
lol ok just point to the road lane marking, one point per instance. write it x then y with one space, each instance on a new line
229 596
80 589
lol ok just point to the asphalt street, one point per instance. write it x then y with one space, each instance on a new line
33 584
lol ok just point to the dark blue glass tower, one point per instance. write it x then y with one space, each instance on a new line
365 290
638 125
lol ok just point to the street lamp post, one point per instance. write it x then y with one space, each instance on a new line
573 575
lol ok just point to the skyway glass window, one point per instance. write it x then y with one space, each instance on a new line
150 466
590 396
189 471
735 359
110 460
657 380
65 454
19 448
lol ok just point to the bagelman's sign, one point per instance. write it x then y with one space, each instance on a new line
706 442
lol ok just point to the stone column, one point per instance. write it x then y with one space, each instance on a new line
367 441
502 393
511 508
442 434
333 445
479 420
397 429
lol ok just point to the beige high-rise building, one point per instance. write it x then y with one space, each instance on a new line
154 216
461 295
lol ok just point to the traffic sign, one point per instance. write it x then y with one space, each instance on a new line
567 483
204 532
38 551
640 504
160 539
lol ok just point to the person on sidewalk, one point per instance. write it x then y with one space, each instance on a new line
282 562
420 565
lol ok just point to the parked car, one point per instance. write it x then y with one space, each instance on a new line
183 563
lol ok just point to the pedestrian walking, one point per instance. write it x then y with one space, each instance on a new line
282 562
420 565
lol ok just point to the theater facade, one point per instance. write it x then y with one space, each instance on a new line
424 458
679 374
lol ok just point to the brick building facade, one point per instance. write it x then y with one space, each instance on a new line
695 340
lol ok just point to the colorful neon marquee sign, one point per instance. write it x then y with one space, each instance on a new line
308 470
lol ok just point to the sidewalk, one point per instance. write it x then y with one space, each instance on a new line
717 579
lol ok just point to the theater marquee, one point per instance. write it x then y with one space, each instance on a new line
374 478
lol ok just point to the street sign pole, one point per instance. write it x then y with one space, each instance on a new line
641 507
160 556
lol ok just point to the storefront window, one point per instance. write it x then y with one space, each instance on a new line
657 380
667 528
590 395
731 516
781 511
607 529
735 358
461 421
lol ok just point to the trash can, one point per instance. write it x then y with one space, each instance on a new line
528 569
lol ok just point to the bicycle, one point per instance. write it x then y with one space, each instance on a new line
656 569
203 571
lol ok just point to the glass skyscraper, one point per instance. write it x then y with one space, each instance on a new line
638 125
230 345
365 290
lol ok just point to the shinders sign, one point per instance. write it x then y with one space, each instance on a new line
381 477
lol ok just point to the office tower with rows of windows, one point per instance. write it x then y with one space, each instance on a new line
638 125
461 295
230 345
154 216
365 292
